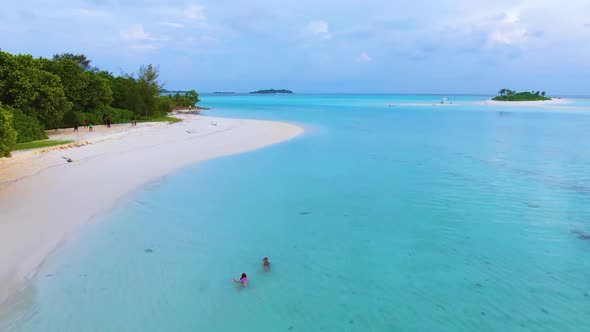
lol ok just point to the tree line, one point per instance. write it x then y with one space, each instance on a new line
509 92
37 94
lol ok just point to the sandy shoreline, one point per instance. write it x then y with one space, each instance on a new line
43 198
534 103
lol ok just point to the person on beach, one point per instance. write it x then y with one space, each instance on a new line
90 125
86 123
104 119
243 280
108 122
76 125
266 264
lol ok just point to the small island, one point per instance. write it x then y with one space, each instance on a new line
511 95
273 91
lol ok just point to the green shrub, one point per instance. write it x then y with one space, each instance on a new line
7 132
117 116
164 104
28 128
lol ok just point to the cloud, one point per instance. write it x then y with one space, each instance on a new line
364 57
91 13
195 13
319 29
135 33
172 24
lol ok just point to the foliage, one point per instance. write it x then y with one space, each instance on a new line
39 144
169 103
79 59
521 96
7 132
149 88
96 117
85 89
168 119
26 86
273 91
28 128
165 104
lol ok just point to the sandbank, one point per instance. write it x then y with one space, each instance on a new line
532 103
44 199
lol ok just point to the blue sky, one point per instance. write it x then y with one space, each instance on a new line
384 46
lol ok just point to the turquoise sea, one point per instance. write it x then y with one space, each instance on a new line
377 218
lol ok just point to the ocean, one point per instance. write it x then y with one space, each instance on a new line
377 218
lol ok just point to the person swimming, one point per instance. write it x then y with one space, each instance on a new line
266 263
243 280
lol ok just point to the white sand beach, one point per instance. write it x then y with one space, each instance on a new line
534 103
44 198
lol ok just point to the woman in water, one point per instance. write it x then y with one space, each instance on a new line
266 264
243 280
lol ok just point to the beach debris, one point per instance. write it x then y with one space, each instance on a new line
67 159
580 234
304 213
148 250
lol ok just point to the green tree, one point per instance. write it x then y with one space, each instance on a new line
7 132
85 89
80 59
193 96
27 127
26 86
543 93
502 92
97 92
149 87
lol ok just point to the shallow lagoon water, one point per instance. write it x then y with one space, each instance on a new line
463 218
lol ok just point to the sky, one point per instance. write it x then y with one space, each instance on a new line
370 46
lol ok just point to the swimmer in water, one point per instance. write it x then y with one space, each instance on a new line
243 280
266 263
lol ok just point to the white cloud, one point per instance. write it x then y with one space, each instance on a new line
195 13
319 29
172 24
135 33
91 13
508 36
364 57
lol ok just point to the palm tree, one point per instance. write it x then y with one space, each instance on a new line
502 92
543 93
510 92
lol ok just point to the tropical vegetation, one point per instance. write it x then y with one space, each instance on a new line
511 95
37 94
271 91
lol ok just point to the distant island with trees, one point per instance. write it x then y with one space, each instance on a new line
272 91
511 95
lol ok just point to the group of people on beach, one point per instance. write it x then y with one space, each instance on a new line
87 124
106 121
243 281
